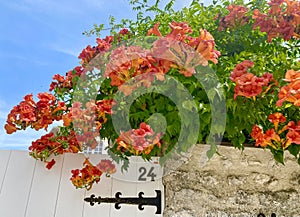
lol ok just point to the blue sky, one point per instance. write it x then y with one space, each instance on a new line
40 38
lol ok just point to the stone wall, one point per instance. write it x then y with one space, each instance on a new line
236 184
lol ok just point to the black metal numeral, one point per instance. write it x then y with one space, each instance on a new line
150 174
143 171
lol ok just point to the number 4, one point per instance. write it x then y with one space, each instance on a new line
150 174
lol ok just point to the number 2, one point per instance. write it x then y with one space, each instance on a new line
143 172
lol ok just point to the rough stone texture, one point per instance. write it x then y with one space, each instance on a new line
236 184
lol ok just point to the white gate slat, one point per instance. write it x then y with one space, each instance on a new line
125 183
4 159
70 201
103 189
17 184
148 187
44 191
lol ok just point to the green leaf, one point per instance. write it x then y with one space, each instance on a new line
189 105
278 155
294 149
125 165
210 153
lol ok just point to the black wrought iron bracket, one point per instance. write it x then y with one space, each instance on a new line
140 200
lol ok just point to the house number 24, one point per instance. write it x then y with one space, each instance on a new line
145 173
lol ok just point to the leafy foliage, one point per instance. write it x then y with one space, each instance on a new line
252 47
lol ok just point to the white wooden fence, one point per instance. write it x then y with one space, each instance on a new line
28 189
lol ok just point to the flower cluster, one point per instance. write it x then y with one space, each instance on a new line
291 91
89 52
139 141
248 84
54 144
37 115
275 137
103 45
89 120
293 135
282 136
263 140
144 65
106 166
236 18
90 174
203 44
132 62
62 84
282 19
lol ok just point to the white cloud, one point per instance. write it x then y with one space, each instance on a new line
17 141
27 60
21 139
69 51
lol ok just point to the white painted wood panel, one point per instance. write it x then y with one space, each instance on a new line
43 195
70 201
4 159
17 184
